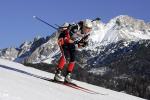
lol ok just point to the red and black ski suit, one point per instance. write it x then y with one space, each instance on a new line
67 50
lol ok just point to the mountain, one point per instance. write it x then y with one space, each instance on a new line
19 82
9 53
46 49
32 52
117 56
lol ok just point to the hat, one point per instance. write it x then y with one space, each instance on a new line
87 23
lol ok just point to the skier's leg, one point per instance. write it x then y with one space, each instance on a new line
59 68
61 62
71 63
60 65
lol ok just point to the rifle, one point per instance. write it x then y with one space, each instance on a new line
83 41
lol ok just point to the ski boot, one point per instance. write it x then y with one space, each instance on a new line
58 76
68 78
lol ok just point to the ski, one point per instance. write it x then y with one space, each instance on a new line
73 85
85 89
81 89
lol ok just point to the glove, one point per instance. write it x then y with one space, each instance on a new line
83 44
76 42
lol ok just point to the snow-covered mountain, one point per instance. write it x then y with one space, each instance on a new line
120 28
46 49
17 84
34 51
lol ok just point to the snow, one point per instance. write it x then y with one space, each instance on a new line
20 86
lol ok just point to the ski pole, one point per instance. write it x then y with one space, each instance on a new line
45 22
57 25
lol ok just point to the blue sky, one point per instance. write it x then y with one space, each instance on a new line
17 24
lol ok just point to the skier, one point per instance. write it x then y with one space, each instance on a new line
71 35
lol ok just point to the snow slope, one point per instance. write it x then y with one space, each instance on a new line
20 86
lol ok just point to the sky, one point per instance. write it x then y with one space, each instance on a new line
17 24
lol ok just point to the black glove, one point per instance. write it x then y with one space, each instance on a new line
83 44
76 42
